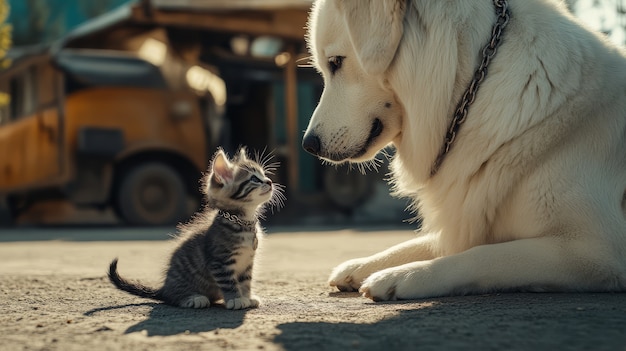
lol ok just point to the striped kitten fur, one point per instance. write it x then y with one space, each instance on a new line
215 256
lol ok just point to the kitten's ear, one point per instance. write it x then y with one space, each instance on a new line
222 169
243 154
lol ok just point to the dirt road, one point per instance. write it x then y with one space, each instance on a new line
54 296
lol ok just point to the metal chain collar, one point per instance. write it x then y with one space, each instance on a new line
489 51
250 225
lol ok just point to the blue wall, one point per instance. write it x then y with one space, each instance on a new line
61 16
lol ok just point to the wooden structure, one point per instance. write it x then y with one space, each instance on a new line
280 18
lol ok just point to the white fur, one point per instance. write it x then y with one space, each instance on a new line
531 195
196 301
243 302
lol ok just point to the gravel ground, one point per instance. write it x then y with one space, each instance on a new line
54 296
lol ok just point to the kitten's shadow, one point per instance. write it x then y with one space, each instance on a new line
165 320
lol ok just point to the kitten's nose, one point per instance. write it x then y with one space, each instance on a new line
311 144
268 182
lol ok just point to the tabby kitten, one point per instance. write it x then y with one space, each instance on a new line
215 257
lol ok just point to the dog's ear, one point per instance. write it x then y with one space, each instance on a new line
375 28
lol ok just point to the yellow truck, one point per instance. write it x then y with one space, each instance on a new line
125 111
101 128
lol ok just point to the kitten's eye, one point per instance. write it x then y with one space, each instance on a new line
255 179
334 63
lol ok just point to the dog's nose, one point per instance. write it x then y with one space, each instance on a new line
311 144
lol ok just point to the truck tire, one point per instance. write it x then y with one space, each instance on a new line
6 214
347 188
151 194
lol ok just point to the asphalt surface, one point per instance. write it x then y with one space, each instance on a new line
54 296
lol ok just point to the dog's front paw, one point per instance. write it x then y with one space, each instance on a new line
349 275
239 303
381 286
410 281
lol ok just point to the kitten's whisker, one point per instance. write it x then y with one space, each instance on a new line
272 167
278 199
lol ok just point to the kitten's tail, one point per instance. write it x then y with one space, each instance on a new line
133 288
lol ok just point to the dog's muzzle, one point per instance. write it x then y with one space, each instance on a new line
311 144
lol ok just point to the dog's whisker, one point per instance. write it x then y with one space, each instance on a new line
305 58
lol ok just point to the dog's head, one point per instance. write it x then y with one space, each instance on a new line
352 43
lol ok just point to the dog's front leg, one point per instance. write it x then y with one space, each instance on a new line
349 275
539 264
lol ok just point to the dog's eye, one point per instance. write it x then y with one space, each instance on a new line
334 63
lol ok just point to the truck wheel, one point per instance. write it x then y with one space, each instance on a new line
347 188
151 194
6 214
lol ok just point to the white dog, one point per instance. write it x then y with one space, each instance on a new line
531 195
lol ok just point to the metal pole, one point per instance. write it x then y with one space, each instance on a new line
291 108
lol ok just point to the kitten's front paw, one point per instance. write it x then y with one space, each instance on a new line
254 301
239 303
196 301
349 275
